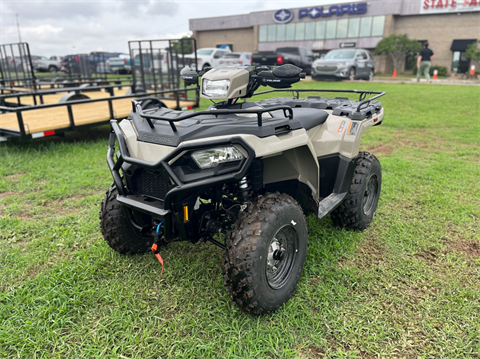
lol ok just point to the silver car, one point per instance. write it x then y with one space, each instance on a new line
348 64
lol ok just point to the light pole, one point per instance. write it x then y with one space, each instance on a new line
18 28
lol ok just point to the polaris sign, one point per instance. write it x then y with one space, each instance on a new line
324 11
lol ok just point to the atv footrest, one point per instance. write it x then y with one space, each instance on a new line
329 203
143 204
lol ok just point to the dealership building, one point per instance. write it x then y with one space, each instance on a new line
448 25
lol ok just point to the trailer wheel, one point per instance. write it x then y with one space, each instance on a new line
358 208
152 103
265 253
117 231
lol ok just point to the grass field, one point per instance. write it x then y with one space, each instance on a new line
408 286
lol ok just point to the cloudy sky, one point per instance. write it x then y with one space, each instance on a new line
60 27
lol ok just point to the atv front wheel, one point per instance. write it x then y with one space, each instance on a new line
116 229
359 206
266 253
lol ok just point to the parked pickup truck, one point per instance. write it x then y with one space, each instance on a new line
120 64
53 64
298 56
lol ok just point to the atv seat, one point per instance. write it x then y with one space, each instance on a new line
308 117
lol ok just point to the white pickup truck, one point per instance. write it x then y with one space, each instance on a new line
208 57
53 64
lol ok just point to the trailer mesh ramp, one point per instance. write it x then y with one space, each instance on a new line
55 118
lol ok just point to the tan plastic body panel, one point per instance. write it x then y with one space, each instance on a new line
285 157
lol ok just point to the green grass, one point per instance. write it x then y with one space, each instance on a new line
408 286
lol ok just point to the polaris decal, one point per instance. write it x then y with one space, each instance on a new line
324 11
156 138
342 126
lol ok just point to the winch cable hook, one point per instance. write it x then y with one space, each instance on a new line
155 247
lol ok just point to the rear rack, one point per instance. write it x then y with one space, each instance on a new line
137 108
362 94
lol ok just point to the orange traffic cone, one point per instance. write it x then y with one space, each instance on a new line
435 74
472 70
395 73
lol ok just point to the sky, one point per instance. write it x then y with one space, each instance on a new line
61 27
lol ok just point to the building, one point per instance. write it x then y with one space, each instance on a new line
448 25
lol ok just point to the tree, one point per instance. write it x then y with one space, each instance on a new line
473 51
187 45
398 47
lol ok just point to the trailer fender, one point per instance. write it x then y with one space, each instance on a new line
72 96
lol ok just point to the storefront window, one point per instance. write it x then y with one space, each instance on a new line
342 26
353 27
262 33
272 32
290 32
320 30
309 31
281 32
365 26
378 24
300 31
331 27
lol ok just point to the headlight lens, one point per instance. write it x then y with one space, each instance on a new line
215 88
213 156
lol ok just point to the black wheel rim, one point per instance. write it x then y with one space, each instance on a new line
370 195
281 256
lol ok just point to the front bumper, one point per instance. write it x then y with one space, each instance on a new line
165 209
331 71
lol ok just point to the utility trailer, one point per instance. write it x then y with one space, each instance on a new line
53 111
30 122
17 71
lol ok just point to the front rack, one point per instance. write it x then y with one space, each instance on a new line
137 108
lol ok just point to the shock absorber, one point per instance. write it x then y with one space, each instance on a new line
245 189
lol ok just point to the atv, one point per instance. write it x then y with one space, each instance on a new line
242 175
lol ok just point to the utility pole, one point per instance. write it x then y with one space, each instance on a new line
18 28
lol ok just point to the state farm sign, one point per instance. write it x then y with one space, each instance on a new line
446 6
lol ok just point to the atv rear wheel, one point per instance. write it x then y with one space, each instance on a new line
358 208
266 253
116 229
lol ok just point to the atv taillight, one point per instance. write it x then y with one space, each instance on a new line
279 60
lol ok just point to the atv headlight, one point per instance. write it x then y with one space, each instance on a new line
217 88
213 156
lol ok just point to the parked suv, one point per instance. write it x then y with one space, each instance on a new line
345 64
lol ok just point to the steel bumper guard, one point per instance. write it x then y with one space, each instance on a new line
163 209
